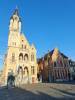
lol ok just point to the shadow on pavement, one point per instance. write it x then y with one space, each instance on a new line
23 94
67 93
66 82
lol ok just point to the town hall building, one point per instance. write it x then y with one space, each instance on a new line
20 59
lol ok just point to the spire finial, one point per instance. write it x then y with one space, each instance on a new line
16 12
16 7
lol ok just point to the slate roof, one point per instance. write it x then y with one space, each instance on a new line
51 53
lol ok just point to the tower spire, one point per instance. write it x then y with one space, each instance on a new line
16 12
16 7
15 21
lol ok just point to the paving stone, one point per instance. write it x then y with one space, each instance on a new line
42 91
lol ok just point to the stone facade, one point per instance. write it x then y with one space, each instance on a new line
54 66
20 59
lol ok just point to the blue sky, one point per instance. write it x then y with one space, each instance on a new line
46 23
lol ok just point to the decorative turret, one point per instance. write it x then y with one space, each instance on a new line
15 22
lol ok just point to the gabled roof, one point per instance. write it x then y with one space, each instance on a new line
51 53
64 56
23 38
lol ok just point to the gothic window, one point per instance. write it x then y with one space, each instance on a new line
20 70
54 64
32 70
26 57
26 71
13 57
20 56
32 57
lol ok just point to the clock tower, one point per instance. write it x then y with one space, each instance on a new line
13 42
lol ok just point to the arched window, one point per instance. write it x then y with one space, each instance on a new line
32 70
32 57
20 70
26 57
13 57
26 71
54 64
20 56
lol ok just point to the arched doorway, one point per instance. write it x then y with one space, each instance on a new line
10 79
20 73
26 72
26 75
20 70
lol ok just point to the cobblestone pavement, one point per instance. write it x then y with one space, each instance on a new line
43 91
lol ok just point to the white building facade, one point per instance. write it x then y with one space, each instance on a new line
21 56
